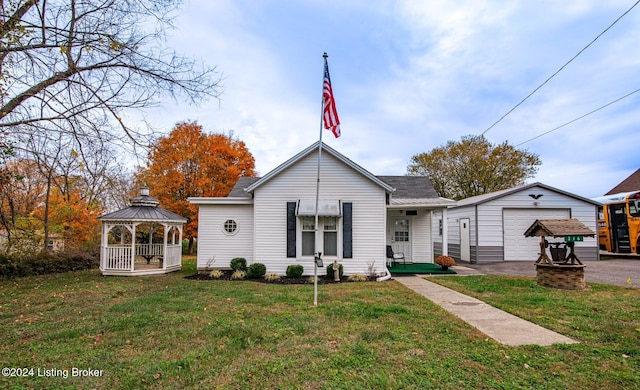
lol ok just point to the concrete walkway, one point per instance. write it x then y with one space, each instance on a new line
503 327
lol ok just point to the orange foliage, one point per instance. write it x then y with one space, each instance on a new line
71 218
191 163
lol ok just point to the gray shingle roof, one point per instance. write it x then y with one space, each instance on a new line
410 187
238 190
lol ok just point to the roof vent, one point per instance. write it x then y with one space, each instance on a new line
144 199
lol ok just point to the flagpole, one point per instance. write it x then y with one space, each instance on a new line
318 254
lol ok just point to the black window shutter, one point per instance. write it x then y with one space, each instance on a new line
291 229
347 230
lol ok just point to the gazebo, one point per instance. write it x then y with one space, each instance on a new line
142 239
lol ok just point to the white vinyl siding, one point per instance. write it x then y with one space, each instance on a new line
216 247
337 181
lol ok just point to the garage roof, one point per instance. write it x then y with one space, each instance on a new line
476 200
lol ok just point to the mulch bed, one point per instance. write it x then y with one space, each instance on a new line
283 279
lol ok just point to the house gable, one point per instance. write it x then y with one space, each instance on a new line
313 149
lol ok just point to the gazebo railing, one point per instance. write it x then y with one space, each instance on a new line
117 257
173 256
149 249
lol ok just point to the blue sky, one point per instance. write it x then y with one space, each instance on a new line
410 75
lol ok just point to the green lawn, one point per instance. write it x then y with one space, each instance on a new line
171 332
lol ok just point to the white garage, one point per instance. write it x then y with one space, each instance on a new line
490 227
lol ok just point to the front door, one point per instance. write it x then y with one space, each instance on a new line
465 245
401 236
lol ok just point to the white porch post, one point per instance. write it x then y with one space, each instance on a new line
133 245
445 233
164 246
103 247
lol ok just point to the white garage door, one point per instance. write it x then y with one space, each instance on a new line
515 222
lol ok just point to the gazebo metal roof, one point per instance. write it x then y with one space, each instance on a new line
143 208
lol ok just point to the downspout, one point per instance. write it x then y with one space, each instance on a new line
385 277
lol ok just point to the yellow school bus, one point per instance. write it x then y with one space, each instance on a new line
619 222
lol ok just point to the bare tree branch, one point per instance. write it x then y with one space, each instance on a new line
89 61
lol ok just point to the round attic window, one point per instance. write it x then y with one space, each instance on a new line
230 226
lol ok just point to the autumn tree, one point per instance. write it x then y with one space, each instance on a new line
191 163
77 66
474 166
36 205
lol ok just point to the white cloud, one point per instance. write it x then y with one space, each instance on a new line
410 75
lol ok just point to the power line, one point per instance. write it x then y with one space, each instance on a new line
578 118
559 70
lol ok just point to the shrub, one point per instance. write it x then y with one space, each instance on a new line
357 278
272 277
239 264
445 261
238 275
12 266
256 271
295 271
216 274
330 271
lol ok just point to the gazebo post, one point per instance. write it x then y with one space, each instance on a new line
133 246
164 247
103 247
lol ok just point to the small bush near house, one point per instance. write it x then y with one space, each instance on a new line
357 278
238 275
272 277
256 271
295 271
238 264
330 271
216 274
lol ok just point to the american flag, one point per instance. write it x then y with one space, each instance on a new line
330 115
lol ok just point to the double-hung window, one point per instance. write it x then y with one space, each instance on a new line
308 235
328 228
330 236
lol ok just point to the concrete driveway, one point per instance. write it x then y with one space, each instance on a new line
616 272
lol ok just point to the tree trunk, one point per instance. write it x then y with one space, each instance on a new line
191 246
45 222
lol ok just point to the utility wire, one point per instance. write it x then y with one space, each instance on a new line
559 70
578 118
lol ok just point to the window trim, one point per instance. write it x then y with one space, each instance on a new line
225 229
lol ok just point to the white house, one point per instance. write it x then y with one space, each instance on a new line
271 219
490 227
